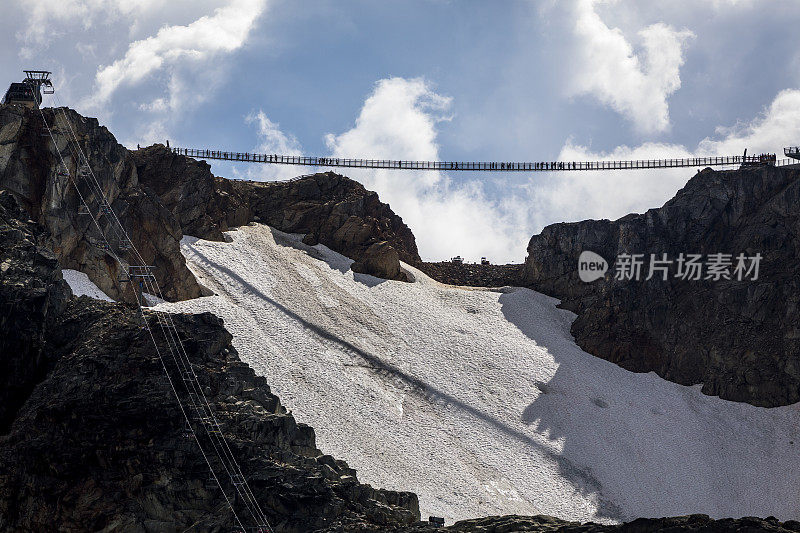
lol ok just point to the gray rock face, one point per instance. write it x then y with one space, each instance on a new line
203 204
329 208
159 196
91 437
740 339
33 295
340 213
31 168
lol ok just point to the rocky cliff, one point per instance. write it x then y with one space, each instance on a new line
31 167
159 196
329 208
91 437
740 339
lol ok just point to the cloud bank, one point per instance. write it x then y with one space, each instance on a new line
635 85
46 16
174 62
224 31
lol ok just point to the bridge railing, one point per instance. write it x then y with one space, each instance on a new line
468 166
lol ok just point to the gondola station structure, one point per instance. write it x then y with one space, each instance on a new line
29 92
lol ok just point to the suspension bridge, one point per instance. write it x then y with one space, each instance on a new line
491 166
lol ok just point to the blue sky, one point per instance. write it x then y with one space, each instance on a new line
469 80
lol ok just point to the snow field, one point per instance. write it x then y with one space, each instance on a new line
479 401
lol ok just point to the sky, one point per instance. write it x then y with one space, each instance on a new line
526 80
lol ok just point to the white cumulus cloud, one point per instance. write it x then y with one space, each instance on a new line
452 214
449 215
777 127
47 17
637 85
176 47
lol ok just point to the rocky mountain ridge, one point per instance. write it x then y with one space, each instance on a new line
159 196
32 167
740 339
697 523
91 438
473 275
329 208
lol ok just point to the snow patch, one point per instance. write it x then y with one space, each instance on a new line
480 401
81 285
151 299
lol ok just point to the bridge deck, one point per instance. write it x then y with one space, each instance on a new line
488 166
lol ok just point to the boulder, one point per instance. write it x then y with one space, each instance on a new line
380 260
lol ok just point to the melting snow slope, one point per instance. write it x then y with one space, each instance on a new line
480 401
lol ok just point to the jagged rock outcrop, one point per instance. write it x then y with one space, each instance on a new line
740 339
159 196
92 439
338 212
697 523
32 296
203 204
30 167
329 208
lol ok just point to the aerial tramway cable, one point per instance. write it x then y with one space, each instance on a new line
184 366
173 341
181 360
141 309
146 324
